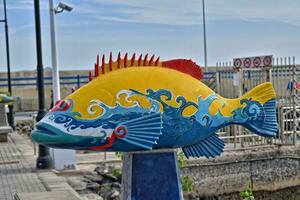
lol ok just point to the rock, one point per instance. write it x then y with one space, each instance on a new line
26 129
116 185
94 178
91 196
112 195
92 186
104 188
104 172
110 191
25 126
77 184
109 177
101 170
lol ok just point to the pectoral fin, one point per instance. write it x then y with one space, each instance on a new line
211 146
142 132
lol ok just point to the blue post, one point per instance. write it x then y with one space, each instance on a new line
151 175
78 81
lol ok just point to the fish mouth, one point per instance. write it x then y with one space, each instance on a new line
44 130
46 134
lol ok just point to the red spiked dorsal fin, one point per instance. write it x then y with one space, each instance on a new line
132 60
140 60
151 60
96 70
103 64
90 76
97 62
110 62
185 66
145 60
119 60
157 61
182 65
125 60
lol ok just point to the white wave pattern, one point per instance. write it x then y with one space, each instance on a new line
108 111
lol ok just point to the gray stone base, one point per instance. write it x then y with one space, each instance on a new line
4 130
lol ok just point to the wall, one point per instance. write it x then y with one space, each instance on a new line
270 169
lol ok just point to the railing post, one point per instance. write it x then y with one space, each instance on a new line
241 90
281 124
218 81
295 98
78 81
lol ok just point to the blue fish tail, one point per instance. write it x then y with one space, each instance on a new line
258 113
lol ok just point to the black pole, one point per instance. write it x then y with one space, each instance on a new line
204 37
10 106
44 159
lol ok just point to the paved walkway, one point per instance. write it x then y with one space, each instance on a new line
18 173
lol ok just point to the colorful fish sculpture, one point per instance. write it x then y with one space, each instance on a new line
5 98
140 104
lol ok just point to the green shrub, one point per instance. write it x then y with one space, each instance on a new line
119 155
181 161
116 172
187 184
247 194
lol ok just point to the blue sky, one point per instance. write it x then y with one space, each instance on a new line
168 28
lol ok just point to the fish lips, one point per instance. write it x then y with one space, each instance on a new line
46 134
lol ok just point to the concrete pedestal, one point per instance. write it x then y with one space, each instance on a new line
3 116
4 128
151 175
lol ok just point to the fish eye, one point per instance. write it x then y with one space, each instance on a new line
61 105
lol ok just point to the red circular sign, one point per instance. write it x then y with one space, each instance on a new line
256 61
247 62
237 63
267 61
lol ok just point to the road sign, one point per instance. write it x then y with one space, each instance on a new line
253 62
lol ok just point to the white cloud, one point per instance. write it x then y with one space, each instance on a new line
147 12
275 10
177 12
24 5
16 30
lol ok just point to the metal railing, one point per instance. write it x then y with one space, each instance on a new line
77 80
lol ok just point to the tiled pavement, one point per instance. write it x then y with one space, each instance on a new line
18 173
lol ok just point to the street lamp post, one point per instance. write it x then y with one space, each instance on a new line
10 106
61 158
44 160
55 71
204 36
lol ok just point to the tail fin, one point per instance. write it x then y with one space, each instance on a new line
259 112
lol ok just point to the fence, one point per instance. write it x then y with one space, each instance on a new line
285 78
77 80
